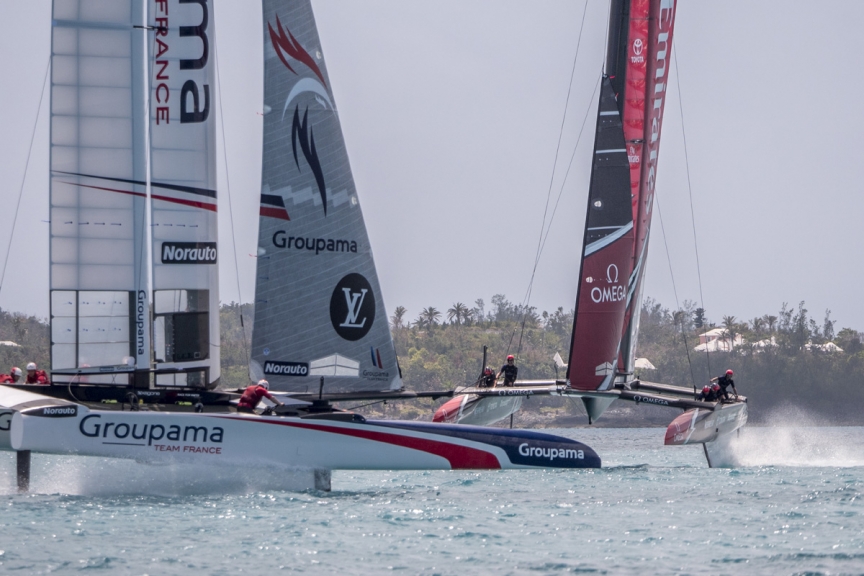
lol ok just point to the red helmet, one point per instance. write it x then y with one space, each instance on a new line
729 373
487 371
510 357
715 387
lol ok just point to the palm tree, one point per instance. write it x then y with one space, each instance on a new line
729 329
398 316
430 316
758 325
771 322
458 312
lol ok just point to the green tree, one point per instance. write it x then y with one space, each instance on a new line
458 313
398 317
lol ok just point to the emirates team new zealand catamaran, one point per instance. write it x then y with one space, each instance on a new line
134 276
615 249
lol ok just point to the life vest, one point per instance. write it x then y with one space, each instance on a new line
39 377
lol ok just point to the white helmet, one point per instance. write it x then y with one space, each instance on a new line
31 366
16 371
264 383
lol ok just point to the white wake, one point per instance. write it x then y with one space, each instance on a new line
791 437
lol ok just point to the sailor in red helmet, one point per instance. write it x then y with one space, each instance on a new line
14 376
487 379
706 395
253 395
724 382
35 376
509 370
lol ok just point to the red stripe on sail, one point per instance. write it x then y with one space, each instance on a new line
192 203
279 213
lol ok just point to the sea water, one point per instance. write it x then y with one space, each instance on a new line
793 507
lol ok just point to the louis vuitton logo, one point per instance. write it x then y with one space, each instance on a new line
354 302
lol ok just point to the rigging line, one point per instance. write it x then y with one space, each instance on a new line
690 192
527 298
561 132
555 210
572 157
674 289
352 408
230 207
24 177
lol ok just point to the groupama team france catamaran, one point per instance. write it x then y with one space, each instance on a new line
134 265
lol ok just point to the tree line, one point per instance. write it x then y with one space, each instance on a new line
779 360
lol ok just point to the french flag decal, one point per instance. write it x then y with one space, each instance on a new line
376 358
273 206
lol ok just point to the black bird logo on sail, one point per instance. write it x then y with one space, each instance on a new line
301 132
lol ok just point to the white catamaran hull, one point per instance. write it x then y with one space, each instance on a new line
237 439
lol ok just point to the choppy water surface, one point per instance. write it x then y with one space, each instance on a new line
795 507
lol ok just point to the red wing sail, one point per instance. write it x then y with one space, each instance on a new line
644 78
622 191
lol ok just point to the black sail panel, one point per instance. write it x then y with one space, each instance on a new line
606 257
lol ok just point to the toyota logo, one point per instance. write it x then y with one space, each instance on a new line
637 46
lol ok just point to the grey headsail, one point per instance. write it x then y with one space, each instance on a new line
318 305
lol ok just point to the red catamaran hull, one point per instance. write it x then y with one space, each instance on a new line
699 425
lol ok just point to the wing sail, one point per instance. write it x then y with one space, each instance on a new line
618 224
183 193
319 312
99 265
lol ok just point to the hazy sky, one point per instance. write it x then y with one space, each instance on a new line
451 110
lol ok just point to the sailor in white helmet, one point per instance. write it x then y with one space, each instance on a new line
35 376
253 395
14 376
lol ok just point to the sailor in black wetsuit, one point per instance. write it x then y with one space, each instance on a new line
509 371
724 382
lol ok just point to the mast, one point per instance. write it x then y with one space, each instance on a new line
318 305
621 193
99 266
183 194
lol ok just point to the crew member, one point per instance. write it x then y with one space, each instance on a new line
487 380
13 377
724 382
509 370
253 395
35 376
706 395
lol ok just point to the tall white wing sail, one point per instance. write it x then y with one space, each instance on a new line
183 193
318 306
99 298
